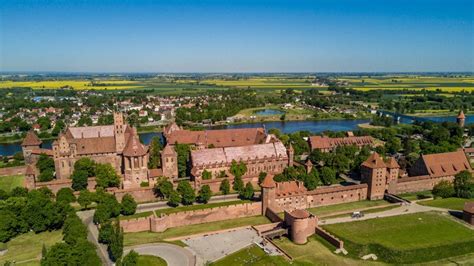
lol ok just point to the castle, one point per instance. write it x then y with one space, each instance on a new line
117 145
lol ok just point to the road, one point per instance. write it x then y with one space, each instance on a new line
93 236
173 255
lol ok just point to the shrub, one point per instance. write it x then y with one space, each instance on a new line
65 195
129 206
205 194
443 189
145 184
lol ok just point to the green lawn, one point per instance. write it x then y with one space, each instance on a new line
199 207
346 207
416 195
448 203
148 260
8 183
131 239
26 248
381 209
252 255
410 238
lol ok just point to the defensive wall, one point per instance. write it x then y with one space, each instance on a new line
56 185
165 221
16 170
419 183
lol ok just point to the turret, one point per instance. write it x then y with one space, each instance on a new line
119 127
268 193
169 162
461 119
291 155
30 142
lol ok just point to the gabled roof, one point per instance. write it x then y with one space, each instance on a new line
445 164
318 142
218 138
374 161
392 163
168 150
134 147
461 115
31 139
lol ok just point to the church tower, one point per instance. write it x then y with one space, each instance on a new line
461 119
119 127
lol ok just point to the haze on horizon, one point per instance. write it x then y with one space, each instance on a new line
237 36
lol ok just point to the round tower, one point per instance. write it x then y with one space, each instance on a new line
268 193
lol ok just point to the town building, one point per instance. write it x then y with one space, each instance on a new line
327 144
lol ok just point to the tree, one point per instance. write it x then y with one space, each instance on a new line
238 184
115 247
65 195
183 151
328 176
238 169
44 122
463 185
106 176
85 198
7 225
206 175
129 206
44 163
187 193
205 194
131 259
73 230
443 189
311 180
79 180
85 164
174 199
46 175
18 156
164 188
155 156
105 233
261 177
248 192
225 186
19 192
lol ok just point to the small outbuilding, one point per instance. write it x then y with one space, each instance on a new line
468 212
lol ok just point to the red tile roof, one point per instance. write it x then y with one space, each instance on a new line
152 173
469 207
31 139
374 161
218 138
268 182
134 147
444 164
284 189
318 142
300 214
168 150
392 163
461 115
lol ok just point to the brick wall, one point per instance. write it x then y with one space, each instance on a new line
160 224
17 170
330 238
136 225
56 185
215 183
141 194
419 183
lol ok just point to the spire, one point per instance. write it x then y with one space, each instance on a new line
461 115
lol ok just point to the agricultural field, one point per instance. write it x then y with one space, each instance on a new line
73 84
262 83
410 238
411 82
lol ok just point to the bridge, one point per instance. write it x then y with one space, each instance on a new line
398 116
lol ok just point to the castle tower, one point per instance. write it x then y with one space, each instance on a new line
461 119
30 177
135 157
291 155
308 166
119 127
30 142
374 174
268 193
393 169
169 162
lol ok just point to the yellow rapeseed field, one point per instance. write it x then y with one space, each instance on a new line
76 84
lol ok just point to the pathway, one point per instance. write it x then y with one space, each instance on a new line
403 209
173 255
93 236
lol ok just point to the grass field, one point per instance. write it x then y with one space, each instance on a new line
416 195
411 238
148 260
76 84
412 82
8 183
448 203
131 239
252 255
346 207
26 248
262 83
199 207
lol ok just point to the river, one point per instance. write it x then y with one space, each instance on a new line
285 127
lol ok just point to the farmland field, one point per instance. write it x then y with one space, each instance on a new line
410 238
410 82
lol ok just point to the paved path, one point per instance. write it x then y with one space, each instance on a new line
93 236
173 255
404 209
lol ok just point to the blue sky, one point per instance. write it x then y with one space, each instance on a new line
237 36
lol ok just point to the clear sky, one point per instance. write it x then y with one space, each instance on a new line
237 36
